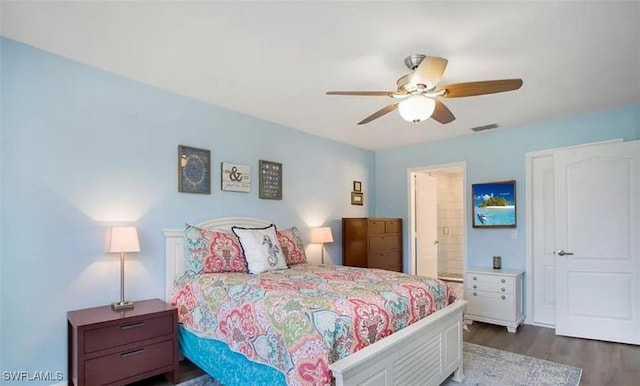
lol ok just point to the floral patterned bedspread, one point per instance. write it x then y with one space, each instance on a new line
301 319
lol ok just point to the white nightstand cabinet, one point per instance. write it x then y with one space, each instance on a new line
494 296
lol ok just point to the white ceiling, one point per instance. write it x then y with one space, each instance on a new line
275 60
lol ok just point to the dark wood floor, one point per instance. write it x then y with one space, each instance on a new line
602 363
187 371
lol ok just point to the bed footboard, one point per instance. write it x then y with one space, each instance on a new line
425 353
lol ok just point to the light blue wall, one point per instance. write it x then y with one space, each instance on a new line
494 156
82 149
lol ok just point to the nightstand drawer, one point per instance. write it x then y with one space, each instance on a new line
127 332
489 305
115 367
491 283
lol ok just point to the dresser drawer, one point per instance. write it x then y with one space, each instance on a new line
390 267
385 259
491 283
376 226
127 332
385 226
114 367
393 226
385 243
489 305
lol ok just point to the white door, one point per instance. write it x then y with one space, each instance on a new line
597 201
543 233
426 225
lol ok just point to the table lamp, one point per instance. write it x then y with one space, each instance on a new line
321 235
121 240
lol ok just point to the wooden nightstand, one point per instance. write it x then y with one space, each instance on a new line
109 347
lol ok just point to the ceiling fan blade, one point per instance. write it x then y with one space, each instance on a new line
442 113
480 88
429 72
379 113
362 93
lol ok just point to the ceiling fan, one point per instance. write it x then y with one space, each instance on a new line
419 90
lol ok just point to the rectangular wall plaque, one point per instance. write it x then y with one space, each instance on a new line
235 177
194 170
270 180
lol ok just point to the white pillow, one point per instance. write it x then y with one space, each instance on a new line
261 248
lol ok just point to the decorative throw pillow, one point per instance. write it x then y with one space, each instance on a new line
261 248
292 246
209 251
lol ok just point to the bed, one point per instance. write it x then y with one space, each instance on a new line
425 352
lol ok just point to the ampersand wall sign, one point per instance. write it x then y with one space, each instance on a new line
236 178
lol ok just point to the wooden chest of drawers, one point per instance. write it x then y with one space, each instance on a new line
494 296
372 243
109 347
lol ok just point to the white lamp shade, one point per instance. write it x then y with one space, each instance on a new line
121 239
416 108
321 235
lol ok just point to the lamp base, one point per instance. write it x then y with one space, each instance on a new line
122 305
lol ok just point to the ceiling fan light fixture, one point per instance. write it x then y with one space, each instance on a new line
416 108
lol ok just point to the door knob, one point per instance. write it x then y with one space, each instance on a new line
562 253
436 242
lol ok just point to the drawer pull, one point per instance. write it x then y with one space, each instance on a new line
475 278
475 286
130 326
132 353
503 297
475 293
503 280
502 289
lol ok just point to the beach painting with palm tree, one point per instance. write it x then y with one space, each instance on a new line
494 204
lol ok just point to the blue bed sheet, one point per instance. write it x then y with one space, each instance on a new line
228 367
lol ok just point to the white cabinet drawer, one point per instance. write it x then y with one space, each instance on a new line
491 283
490 304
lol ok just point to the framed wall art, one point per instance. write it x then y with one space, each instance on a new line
357 198
235 177
357 186
494 204
270 180
194 170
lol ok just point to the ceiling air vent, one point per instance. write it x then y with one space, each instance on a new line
485 127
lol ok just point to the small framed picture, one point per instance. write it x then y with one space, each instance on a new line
357 198
357 186
235 177
270 180
194 170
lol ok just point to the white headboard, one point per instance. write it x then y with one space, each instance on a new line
174 245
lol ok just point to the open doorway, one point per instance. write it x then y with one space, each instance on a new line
436 222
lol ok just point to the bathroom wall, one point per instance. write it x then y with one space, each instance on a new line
450 222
